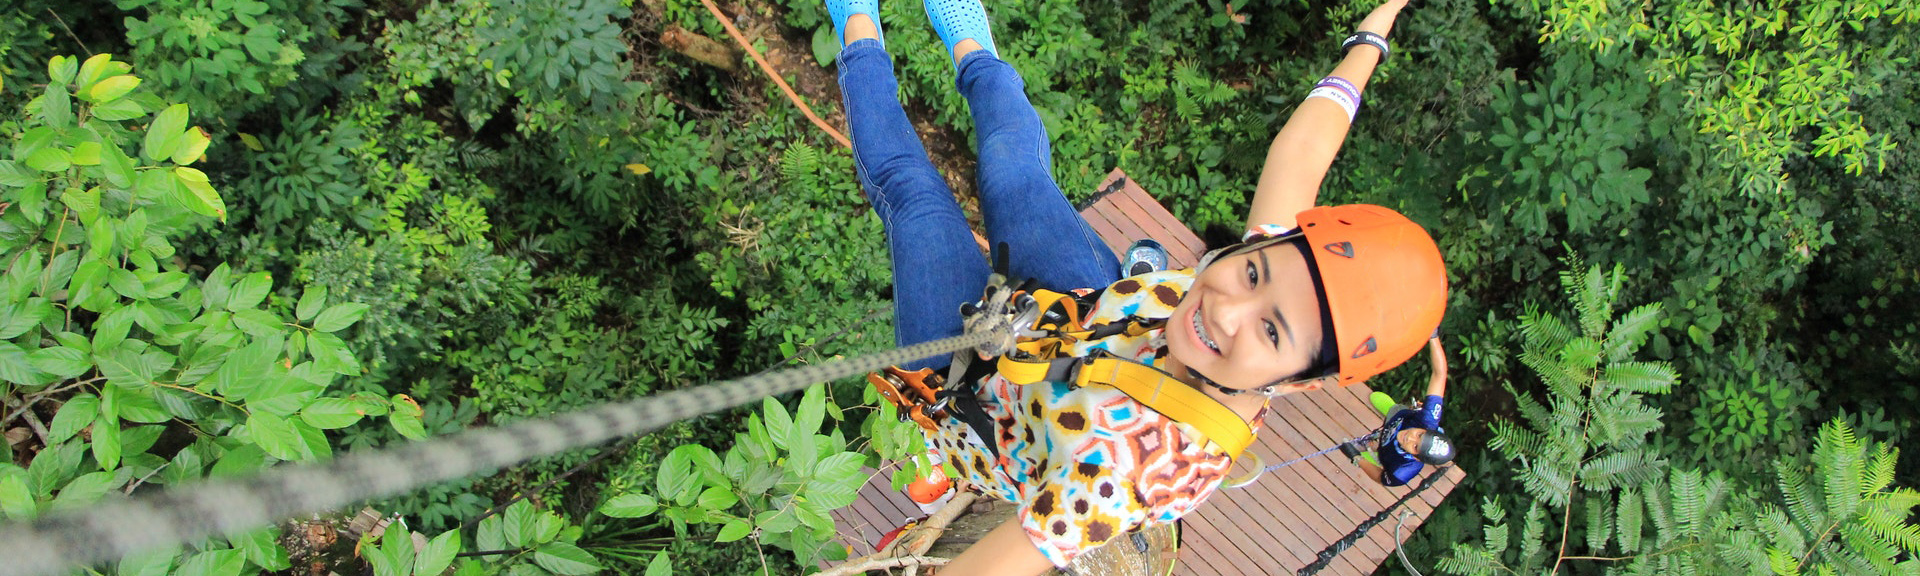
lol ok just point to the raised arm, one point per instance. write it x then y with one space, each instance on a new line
1437 384
1299 157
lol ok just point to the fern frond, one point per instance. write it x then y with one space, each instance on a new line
1869 547
1630 331
1782 563
1618 469
1689 506
1599 521
1805 507
1549 483
1745 551
1496 537
1636 420
1540 332
1187 73
1641 377
1530 409
1219 93
1627 517
1660 512
1778 529
1469 560
1582 356
1880 467
1889 521
1837 455
1533 536
1492 509
799 163
1515 442
1593 303
1184 104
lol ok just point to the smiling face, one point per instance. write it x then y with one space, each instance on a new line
1409 439
1249 320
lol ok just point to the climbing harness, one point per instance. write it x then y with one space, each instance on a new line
1333 550
114 528
1037 328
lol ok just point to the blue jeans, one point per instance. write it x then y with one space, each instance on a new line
936 264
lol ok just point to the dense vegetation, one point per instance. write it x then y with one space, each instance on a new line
268 230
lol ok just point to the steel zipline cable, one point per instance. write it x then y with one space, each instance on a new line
112 529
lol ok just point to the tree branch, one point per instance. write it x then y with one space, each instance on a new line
851 568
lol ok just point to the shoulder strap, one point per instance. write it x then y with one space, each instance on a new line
1145 384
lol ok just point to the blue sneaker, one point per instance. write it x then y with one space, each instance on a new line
841 10
1143 257
956 20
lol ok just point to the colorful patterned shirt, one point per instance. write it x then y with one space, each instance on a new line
1089 464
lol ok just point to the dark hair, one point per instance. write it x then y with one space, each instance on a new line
1326 360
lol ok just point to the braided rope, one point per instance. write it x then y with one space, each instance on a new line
1333 550
115 528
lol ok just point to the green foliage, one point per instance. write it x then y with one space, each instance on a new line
777 483
104 320
1582 449
225 55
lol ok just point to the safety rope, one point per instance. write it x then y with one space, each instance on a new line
112 529
1333 550
1363 441
1399 549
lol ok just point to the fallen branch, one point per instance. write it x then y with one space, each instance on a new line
774 74
700 48
862 567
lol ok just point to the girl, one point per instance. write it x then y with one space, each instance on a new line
1313 295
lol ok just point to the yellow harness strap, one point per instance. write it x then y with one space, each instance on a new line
1146 385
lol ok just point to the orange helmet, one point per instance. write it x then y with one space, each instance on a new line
1382 278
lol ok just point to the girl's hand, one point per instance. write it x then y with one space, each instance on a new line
1439 359
1380 21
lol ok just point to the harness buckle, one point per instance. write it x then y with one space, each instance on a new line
1009 312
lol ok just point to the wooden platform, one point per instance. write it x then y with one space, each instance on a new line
1274 526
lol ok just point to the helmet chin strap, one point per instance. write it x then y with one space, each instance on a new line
1267 390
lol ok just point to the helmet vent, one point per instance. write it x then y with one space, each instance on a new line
1340 249
1368 347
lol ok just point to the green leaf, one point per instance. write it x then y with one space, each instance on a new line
116 166
779 424
49 160
192 144
74 416
213 563
405 417
24 316
565 559
634 505
734 529
521 528
200 195
86 154
84 203
90 71
106 438
826 45
16 500
718 499
261 547
310 302
258 323
675 477
332 413
438 554
277 436
147 563
339 316
660 566
491 535
165 133
62 68
119 110
112 89
86 489
14 366
249 291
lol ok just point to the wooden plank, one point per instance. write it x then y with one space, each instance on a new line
1110 234
1180 241
1233 523
1204 550
1282 444
1119 219
1337 485
1307 480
